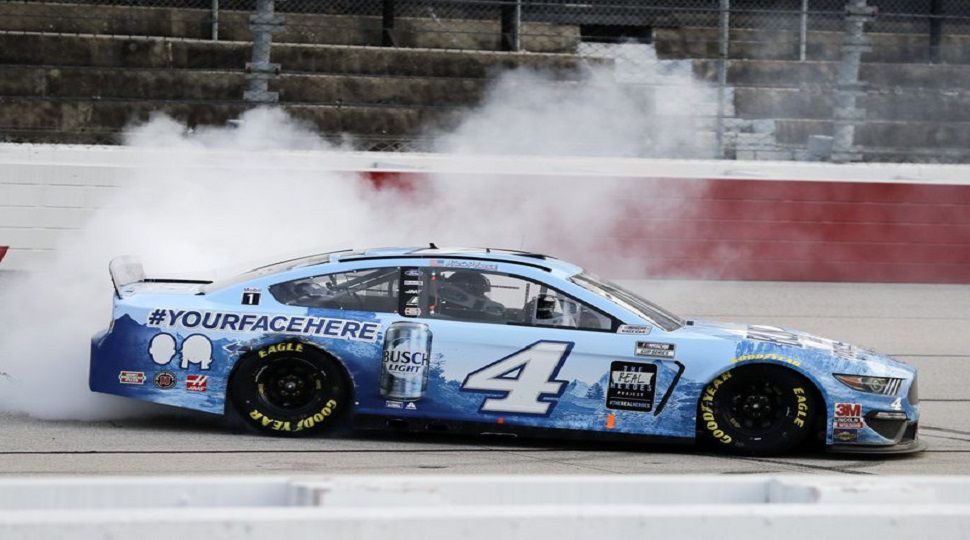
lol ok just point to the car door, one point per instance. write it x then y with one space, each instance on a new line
508 347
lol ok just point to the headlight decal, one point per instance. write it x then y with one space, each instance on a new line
886 386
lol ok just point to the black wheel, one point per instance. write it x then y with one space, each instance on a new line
288 389
758 410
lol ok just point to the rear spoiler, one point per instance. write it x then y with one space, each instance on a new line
127 270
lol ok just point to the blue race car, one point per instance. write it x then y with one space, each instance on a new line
487 341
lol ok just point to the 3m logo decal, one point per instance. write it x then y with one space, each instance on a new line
848 409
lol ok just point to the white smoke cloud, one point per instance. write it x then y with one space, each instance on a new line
195 206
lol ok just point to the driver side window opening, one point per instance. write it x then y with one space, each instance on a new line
373 289
494 297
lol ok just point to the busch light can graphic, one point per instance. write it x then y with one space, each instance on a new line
405 362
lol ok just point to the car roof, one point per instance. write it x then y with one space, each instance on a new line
434 252
535 260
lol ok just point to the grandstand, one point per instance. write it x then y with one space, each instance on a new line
79 72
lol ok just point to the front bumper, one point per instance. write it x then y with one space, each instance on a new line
907 443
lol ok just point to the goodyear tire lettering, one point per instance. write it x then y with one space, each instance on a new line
306 423
707 411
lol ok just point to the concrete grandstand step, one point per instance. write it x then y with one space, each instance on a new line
904 136
177 22
30 119
185 84
769 44
142 52
879 76
902 104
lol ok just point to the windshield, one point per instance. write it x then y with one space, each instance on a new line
629 301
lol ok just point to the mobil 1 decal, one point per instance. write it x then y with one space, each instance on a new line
251 297
632 386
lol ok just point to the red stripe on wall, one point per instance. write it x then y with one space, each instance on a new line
782 230
3 252
799 231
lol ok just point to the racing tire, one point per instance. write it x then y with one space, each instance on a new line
758 410
288 389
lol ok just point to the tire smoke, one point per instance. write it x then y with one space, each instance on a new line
218 198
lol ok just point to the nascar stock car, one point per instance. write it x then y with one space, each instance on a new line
487 341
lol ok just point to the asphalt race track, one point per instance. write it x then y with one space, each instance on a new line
926 325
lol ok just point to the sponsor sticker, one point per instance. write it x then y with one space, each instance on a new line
654 349
196 383
848 416
250 297
394 404
631 386
411 406
633 329
131 377
772 357
165 380
846 435
470 265
412 272
412 311
296 325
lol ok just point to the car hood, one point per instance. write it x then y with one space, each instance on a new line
826 354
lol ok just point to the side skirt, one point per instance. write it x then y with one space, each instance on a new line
438 427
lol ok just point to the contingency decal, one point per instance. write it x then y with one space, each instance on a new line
250 297
196 383
847 422
631 386
464 264
633 329
165 380
525 380
655 350
270 324
131 377
412 286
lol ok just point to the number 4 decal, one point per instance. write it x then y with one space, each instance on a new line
526 380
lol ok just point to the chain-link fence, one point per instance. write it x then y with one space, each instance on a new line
793 79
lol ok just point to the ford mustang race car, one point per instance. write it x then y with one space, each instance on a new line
487 341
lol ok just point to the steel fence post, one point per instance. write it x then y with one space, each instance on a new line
803 32
511 15
936 29
215 20
387 23
848 87
724 40
263 24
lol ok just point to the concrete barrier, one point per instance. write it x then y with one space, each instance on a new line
696 219
521 507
